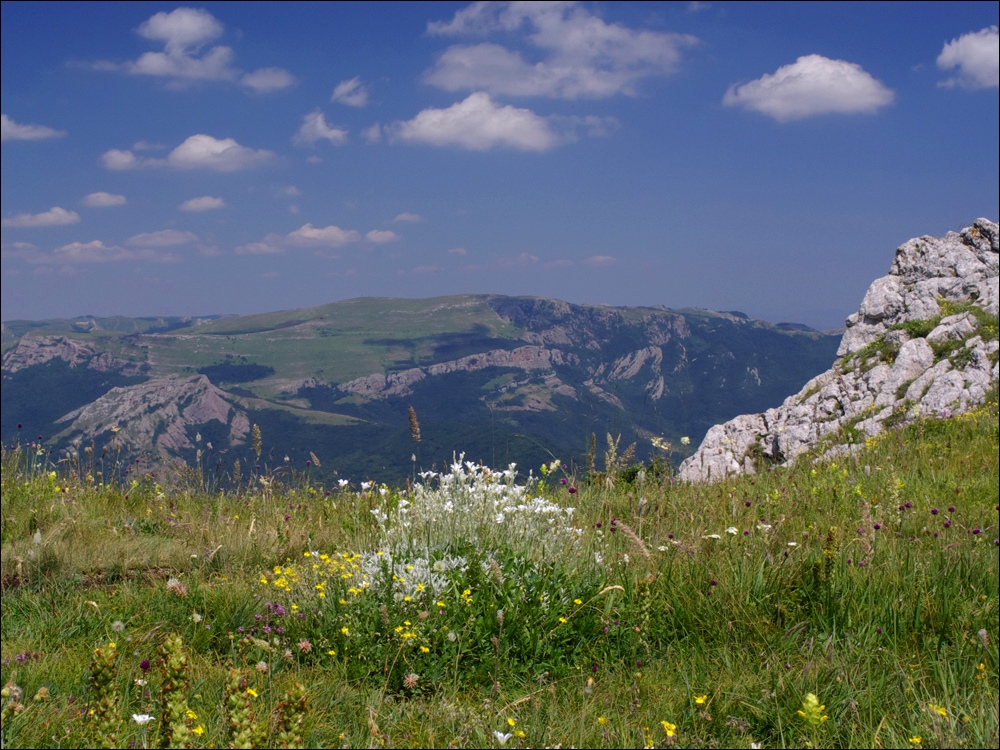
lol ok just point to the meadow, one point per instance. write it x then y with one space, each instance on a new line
850 601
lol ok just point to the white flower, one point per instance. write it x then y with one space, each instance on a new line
502 737
732 530
793 544
711 536
763 526
343 482
141 719
685 440
195 617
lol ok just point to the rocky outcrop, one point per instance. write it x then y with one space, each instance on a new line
378 385
923 342
37 350
160 413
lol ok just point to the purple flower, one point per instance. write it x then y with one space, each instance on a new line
947 524
670 535
879 630
746 532
747 503
934 511
877 526
951 508
593 668
861 531
713 582
572 490
562 481
977 530
909 504
144 665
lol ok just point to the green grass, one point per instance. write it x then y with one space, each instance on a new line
717 609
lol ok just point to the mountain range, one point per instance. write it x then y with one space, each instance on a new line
501 379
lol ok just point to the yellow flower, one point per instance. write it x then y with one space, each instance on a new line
191 715
251 692
345 631
601 720
578 602
563 619
425 650
812 711
916 739
332 652
700 699
669 728
512 721
199 730
939 710
518 733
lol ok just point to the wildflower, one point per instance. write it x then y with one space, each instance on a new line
578 602
916 739
936 709
812 711
305 646
512 721
141 719
502 737
261 667
145 665
732 530
669 728
601 720
700 699
118 626
410 681
199 730
251 692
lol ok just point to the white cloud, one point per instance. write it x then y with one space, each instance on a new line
600 261
977 57
582 56
407 218
314 128
305 236
197 152
54 217
96 251
266 80
331 236
478 124
353 93
12 131
184 32
104 200
458 251
163 238
812 85
381 236
203 203
372 134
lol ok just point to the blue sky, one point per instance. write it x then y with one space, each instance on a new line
164 159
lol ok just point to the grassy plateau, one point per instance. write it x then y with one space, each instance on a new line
848 602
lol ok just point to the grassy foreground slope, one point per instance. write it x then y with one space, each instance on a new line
852 602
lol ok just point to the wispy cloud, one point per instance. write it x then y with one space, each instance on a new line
812 85
104 200
184 33
197 152
578 55
977 57
407 218
96 251
353 93
54 217
202 203
163 238
13 131
314 128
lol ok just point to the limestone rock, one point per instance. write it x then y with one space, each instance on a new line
923 343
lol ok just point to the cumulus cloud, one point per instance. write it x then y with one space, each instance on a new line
197 152
203 203
407 218
578 54
812 85
372 134
314 128
13 131
305 236
54 217
381 236
163 238
184 33
977 57
353 93
600 261
479 124
104 200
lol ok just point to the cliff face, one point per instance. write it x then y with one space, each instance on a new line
923 342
